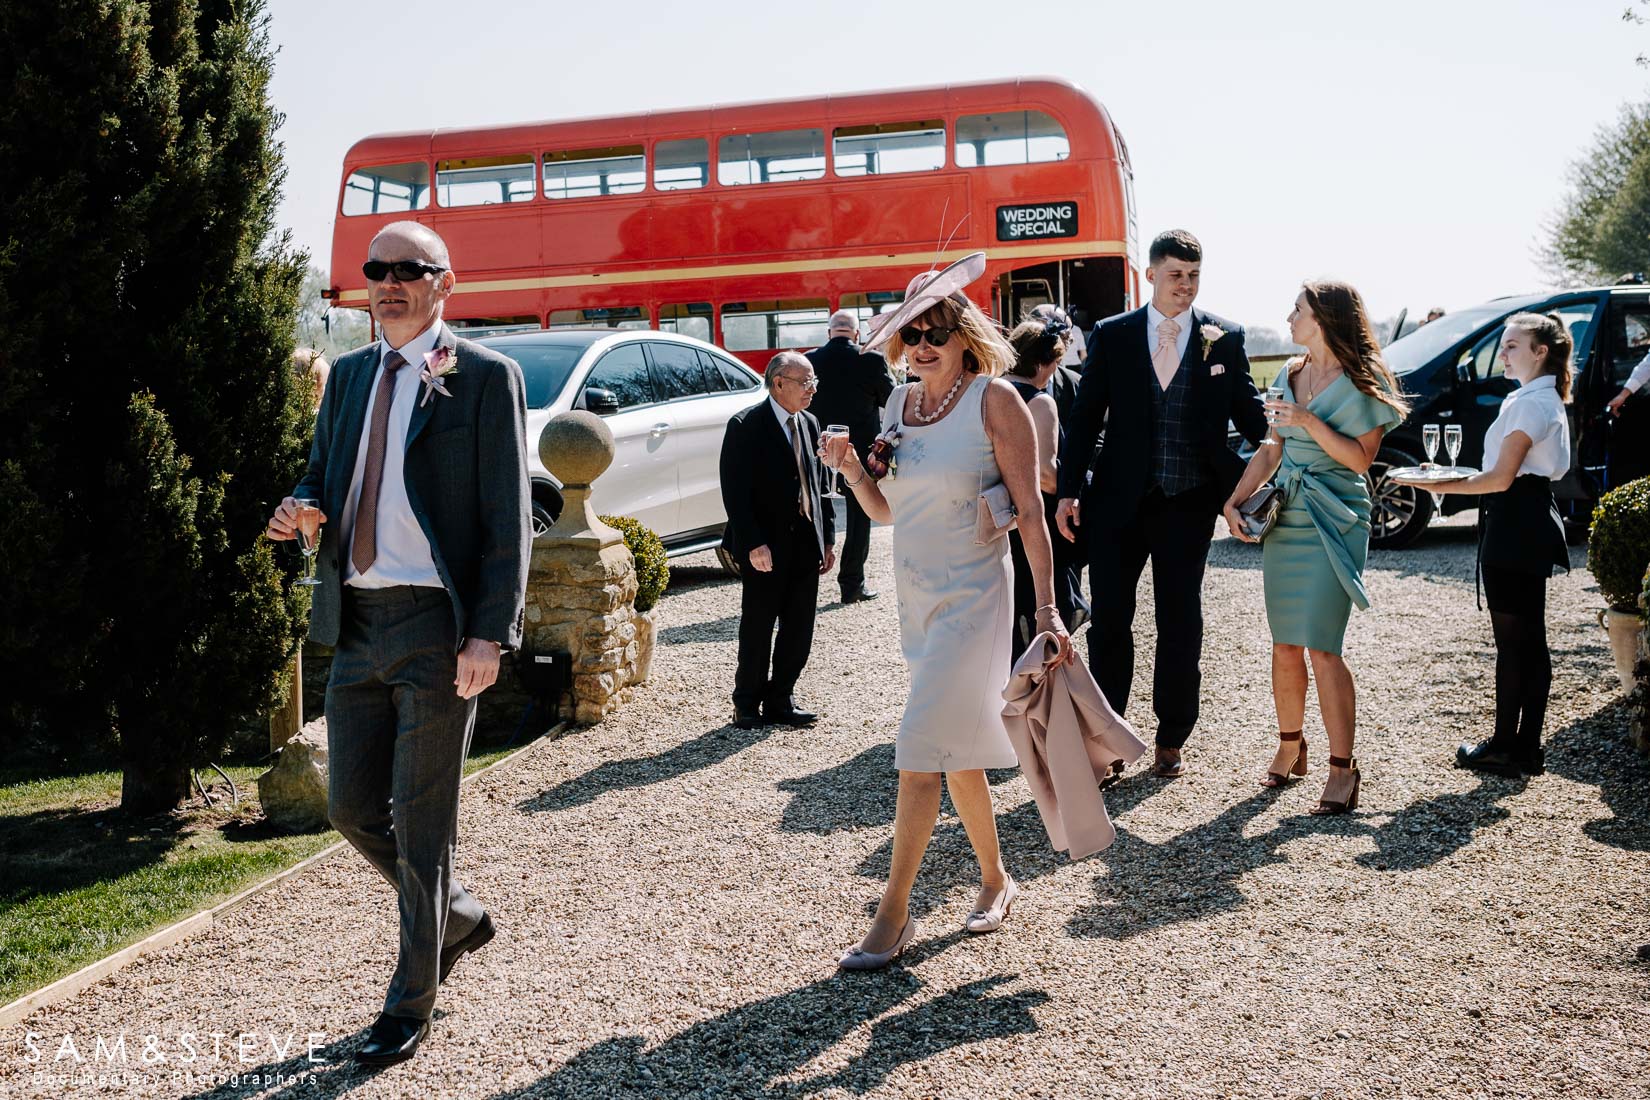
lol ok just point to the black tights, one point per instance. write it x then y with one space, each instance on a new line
1523 664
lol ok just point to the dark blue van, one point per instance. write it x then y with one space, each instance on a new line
1451 370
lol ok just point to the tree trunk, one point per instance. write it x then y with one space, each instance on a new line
148 788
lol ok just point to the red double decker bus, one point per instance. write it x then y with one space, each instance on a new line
747 225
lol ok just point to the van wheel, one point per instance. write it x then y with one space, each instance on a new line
1399 514
730 564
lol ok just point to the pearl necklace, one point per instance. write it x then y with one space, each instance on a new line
937 413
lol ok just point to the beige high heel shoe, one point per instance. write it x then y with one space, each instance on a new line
856 959
989 920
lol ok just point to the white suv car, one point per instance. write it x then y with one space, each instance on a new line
667 399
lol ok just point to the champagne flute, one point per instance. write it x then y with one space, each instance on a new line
1274 392
832 431
308 523
1429 442
1452 441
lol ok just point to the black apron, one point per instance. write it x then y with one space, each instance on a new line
1519 529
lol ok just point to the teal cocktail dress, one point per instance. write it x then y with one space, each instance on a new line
1314 556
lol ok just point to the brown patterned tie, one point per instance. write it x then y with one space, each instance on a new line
801 466
363 549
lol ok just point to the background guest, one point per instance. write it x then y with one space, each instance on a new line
781 533
1039 347
962 432
1163 381
1521 537
312 366
853 387
1062 384
1339 400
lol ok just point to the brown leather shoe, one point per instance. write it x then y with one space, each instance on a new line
1169 765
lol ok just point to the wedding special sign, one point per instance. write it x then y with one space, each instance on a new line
1032 221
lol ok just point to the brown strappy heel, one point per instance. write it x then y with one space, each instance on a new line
1279 779
1325 806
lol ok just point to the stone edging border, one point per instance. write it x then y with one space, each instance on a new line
74 984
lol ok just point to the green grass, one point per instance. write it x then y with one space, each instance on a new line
79 880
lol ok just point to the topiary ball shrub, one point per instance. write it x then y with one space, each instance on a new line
652 567
1618 543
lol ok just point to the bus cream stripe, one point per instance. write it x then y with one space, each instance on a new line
729 271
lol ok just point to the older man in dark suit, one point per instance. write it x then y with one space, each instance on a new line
853 387
420 455
781 532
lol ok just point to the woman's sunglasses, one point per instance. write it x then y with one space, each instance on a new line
405 271
938 337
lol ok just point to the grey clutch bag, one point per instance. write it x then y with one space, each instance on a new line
1260 510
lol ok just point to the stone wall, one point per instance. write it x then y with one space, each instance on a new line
581 602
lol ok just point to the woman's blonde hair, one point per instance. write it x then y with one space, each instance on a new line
984 349
1547 331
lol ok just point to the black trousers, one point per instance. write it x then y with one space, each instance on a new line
787 598
1174 533
856 544
1523 663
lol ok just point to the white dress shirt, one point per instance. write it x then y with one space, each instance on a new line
1182 338
1640 375
785 420
1535 409
403 551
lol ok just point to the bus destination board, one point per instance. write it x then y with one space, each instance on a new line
1033 221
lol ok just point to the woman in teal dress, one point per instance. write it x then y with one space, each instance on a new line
1337 403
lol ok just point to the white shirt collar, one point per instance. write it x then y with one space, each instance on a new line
1545 382
785 418
414 350
1154 318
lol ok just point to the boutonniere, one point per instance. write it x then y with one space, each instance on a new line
438 364
1210 334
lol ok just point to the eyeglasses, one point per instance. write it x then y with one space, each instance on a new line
810 384
937 337
405 271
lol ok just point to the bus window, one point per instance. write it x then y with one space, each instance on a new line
1009 137
576 173
763 326
692 319
867 306
775 157
387 189
616 317
888 147
681 165
482 181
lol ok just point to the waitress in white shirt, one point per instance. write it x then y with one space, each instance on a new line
1521 537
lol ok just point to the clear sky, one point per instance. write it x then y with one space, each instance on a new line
1413 147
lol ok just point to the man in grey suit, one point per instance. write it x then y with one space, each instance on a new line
420 454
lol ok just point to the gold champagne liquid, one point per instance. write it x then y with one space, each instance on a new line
309 526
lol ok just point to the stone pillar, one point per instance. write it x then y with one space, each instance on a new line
581 588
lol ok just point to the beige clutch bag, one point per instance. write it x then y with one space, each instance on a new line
997 515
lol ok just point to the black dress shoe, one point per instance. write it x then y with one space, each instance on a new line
392 1039
860 595
748 718
477 939
790 716
1497 760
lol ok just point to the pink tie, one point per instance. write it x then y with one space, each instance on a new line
363 549
1164 360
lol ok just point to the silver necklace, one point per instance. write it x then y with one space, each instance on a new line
937 413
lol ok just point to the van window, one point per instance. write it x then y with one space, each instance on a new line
1010 137
387 189
772 325
1630 321
735 376
620 317
676 371
577 173
690 319
483 181
624 371
682 164
775 157
885 148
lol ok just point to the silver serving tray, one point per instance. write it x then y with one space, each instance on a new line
1431 474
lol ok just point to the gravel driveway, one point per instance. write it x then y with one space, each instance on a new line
672 894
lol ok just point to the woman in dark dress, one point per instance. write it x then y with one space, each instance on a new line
1521 538
1039 346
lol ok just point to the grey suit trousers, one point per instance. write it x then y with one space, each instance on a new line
397 736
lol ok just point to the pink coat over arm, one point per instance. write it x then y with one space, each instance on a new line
1067 737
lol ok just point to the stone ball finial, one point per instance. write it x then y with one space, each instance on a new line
576 446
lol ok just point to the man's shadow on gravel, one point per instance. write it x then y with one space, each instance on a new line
335 1074
744 1050
706 750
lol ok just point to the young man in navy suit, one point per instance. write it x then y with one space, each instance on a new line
1160 386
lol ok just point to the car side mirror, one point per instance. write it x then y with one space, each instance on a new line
601 402
1463 371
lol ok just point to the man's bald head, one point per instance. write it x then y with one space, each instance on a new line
409 241
842 323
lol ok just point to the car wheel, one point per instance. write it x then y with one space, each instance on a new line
1399 514
543 516
730 564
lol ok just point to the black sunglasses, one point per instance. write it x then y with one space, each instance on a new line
938 337
405 271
